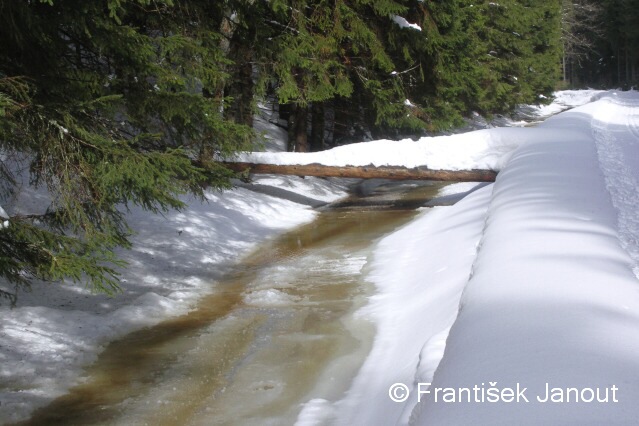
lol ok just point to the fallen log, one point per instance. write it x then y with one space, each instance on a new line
366 172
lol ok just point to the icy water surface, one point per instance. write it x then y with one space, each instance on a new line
278 332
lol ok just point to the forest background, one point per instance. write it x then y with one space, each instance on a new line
113 103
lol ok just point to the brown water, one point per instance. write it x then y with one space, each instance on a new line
276 333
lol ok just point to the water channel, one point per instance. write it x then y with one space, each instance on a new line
278 331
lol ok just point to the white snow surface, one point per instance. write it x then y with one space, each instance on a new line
3 218
482 149
568 99
549 250
413 315
403 23
527 282
552 298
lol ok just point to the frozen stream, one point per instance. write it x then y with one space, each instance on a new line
278 332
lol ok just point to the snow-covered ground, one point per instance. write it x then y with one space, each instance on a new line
552 302
558 229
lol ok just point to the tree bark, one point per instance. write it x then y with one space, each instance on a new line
300 131
317 129
241 89
291 126
367 172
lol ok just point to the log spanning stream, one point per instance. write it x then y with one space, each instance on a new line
276 333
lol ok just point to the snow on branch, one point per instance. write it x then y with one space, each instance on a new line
403 23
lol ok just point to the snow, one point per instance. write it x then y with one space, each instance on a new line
616 133
529 280
403 23
552 297
523 283
485 149
4 218
567 99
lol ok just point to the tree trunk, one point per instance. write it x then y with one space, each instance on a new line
619 65
241 90
239 48
297 128
367 172
227 28
301 136
291 125
627 80
633 67
317 129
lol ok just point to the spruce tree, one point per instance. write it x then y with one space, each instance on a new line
520 52
360 61
327 52
108 104
437 65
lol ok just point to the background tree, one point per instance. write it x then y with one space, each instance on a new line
477 56
355 69
581 32
600 43
620 58
438 65
519 54
326 54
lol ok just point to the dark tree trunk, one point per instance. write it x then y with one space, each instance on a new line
317 129
619 65
292 124
244 101
301 136
627 79
242 87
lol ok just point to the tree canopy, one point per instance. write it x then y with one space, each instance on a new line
107 105
117 103
392 68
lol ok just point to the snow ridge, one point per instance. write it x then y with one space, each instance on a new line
552 301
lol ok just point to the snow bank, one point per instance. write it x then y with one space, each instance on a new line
481 149
552 298
568 99
549 298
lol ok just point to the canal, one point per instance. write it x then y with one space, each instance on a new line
278 331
